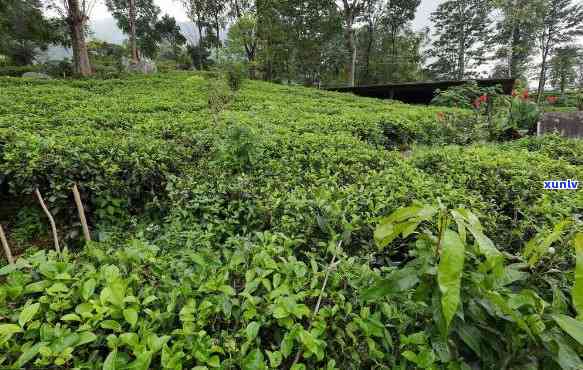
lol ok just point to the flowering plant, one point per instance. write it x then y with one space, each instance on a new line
552 99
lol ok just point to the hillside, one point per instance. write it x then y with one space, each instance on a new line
252 238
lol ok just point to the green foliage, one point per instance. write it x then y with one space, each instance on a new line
461 276
524 114
25 30
460 32
464 96
214 240
235 73
511 185
148 35
16 71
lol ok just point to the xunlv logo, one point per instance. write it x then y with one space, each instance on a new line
561 185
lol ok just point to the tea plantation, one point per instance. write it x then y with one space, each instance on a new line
280 227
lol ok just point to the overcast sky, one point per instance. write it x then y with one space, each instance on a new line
173 8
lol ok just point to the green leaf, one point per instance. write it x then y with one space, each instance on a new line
28 355
312 344
131 339
537 247
577 291
279 312
110 361
275 359
214 361
112 325
28 313
403 221
88 289
449 273
71 317
254 361
571 326
471 337
397 282
149 300
567 357
8 330
486 247
142 361
37 287
85 338
252 330
131 316
287 344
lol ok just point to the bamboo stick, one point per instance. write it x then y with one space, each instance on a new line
51 219
81 211
6 247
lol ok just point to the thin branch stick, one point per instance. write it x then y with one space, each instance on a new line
6 247
51 219
81 211
330 268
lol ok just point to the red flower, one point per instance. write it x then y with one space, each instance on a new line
477 103
483 98
525 95
514 93
552 99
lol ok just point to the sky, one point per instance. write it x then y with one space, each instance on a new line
174 9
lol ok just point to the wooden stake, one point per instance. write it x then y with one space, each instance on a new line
317 309
6 247
81 211
51 219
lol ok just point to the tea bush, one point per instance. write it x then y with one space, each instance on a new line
272 233
511 185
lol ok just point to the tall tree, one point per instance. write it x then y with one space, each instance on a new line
242 36
196 12
561 22
77 19
372 15
216 11
24 30
75 14
461 28
397 14
244 14
563 65
351 10
514 36
169 31
138 19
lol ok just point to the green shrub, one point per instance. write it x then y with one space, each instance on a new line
215 242
511 183
18 71
464 96
235 74
255 301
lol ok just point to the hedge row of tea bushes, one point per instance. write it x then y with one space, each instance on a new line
250 243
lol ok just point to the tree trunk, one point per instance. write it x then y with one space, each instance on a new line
199 60
462 59
393 54
349 17
543 75
351 46
76 21
515 53
368 52
133 38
